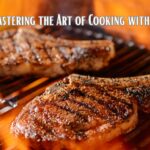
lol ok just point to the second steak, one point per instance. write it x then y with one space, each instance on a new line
26 51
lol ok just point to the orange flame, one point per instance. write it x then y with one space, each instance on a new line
10 142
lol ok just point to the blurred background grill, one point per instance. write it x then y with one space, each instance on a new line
131 60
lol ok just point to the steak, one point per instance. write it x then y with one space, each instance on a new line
28 51
83 109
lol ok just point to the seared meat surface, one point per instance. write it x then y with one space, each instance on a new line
142 93
27 51
82 108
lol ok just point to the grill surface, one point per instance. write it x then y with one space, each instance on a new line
130 60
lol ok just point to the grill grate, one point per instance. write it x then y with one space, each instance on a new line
130 60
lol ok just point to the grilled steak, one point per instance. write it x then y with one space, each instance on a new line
83 109
27 51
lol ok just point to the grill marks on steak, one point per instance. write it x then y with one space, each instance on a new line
42 54
142 93
81 108
137 87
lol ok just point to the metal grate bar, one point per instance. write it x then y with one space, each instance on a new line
130 60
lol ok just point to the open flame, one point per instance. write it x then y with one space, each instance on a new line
101 8
9 141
